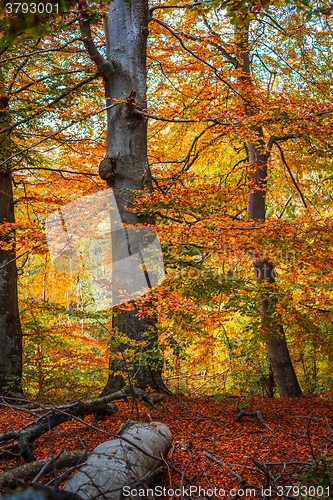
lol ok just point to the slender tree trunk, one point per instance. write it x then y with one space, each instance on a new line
125 169
10 326
258 155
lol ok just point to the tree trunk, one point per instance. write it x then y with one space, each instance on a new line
10 325
258 155
126 148
125 169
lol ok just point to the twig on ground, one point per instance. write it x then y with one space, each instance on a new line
257 414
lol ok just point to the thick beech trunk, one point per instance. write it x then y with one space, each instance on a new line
125 168
258 154
10 326
126 41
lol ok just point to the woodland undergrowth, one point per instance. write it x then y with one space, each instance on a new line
230 443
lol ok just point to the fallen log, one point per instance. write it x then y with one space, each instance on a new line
32 469
131 461
61 414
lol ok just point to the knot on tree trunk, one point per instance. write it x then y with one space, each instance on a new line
107 169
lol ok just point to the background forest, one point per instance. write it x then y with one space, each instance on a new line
239 113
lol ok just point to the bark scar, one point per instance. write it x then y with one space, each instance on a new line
130 104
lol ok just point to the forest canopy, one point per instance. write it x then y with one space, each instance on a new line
211 124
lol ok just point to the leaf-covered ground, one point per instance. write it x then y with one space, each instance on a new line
295 445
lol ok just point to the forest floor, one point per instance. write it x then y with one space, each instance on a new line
292 444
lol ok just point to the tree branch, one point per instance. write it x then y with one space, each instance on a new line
274 139
257 414
184 120
31 469
232 472
51 104
186 6
226 54
104 66
290 173
216 71
43 79
41 491
54 134
40 51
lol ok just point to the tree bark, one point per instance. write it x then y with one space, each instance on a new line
30 470
116 467
126 42
126 171
258 155
10 325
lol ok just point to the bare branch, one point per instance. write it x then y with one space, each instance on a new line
291 175
40 467
41 491
58 170
43 79
51 104
185 120
40 51
185 6
216 460
285 206
257 414
55 133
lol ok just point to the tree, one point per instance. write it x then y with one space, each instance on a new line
137 172
245 111
125 166
231 114
10 325
258 154
30 95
